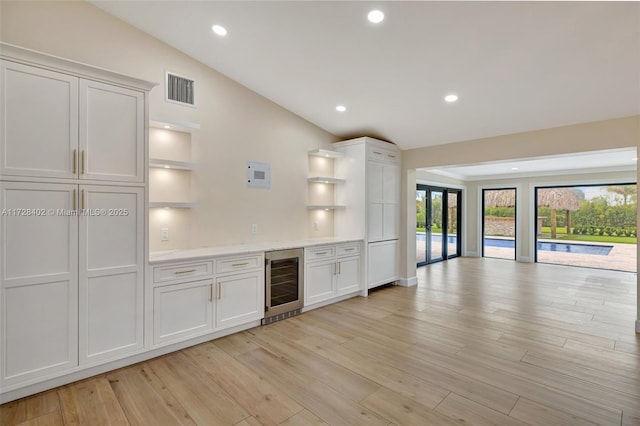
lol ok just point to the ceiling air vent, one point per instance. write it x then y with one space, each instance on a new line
180 90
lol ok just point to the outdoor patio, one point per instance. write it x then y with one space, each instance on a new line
622 257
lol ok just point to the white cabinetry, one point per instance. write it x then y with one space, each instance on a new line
331 271
372 200
111 271
73 224
39 259
190 300
61 126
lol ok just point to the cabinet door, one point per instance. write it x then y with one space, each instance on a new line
391 183
319 282
39 113
111 133
240 299
375 221
111 254
348 277
375 182
182 310
38 281
390 221
382 263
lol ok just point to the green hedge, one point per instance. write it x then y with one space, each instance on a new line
606 231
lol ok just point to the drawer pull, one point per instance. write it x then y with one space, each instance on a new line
320 253
377 153
240 264
349 249
391 156
84 161
210 292
186 271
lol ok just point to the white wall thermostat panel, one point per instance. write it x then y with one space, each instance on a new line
258 175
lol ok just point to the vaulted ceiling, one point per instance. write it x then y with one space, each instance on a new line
515 66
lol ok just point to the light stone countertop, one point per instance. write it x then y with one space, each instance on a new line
228 250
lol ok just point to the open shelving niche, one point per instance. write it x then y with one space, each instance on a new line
322 193
170 169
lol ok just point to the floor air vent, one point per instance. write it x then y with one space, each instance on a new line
280 317
180 90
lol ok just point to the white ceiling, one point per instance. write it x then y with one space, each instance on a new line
516 66
595 161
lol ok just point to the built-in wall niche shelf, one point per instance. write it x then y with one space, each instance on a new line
325 153
329 180
327 207
178 126
169 205
170 164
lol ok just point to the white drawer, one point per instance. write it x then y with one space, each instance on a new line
381 154
316 253
182 271
238 263
348 249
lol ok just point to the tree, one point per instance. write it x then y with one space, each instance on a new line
629 193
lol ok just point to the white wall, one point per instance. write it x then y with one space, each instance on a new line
237 125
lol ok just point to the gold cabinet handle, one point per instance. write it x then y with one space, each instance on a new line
219 291
186 271
75 204
75 161
376 152
320 253
211 292
240 264
391 156
83 202
84 161
349 249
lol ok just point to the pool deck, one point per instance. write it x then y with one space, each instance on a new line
622 257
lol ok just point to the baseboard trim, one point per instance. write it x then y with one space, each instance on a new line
408 282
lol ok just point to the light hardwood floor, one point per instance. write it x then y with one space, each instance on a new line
478 341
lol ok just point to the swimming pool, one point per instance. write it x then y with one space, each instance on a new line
544 246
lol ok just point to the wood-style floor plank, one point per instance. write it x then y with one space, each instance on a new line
145 399
26 409
91 402
267 404
203 399
476 342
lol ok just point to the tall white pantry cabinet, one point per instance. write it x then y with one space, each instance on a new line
73 221
371 196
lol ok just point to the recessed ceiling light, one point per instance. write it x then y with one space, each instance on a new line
375 16
514 168
166 126
220 30
167 167
341 108
451 98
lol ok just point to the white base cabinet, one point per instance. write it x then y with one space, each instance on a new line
196 298
331 271
383 262
182 310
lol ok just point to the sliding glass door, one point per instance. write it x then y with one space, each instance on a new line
437 224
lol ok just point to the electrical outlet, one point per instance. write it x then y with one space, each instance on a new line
254 228
164 234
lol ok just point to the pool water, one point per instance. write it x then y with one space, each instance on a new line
544 246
